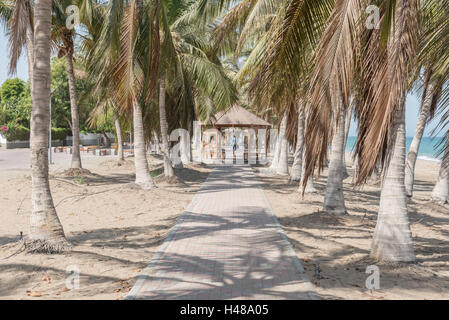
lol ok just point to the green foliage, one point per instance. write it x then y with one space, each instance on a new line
61 116
60 99
12 90
60 133
15 105
104 122
17 132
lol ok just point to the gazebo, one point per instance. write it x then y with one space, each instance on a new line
239 122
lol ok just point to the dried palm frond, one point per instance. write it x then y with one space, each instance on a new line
20 20
332 78
386 69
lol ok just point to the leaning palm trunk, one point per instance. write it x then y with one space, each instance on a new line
168 169
440 193
310 188
347 127
76 156
414 147
295 174
46 232
118 132
392 237
143 176
282 167
334 201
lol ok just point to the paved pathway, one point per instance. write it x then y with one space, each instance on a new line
226 245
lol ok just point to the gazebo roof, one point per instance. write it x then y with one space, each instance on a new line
237 116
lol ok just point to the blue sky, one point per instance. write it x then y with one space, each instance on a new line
22 72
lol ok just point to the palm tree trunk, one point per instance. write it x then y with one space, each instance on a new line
376 176
156 141
392 241
168 169
334 201
143 176
46 232
355 168
440 193
282 167
30 54
118 132
185 147
392 237
76 156
276 154
347 127
295 174
419 131
310 187
355 164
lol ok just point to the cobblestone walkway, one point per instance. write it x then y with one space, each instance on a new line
226 245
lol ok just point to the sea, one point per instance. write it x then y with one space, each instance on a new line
428 149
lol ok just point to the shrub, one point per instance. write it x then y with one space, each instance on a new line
17 132
59 133
13 131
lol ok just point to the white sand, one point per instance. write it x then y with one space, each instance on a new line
340 246
115 229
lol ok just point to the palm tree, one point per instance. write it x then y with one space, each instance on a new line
306 184
435 51
46 232
440 192
334 202
431 93
130 59
168 169
63 38
433 56
346 52
122 53
347 127
119 135
191 74
392 237
282 156
295 174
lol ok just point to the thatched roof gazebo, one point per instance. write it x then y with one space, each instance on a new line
234 120
237 116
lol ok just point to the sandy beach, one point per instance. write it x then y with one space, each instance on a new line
335 250
115 230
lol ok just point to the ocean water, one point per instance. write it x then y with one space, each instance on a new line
428 149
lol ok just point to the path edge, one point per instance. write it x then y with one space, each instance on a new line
133 294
